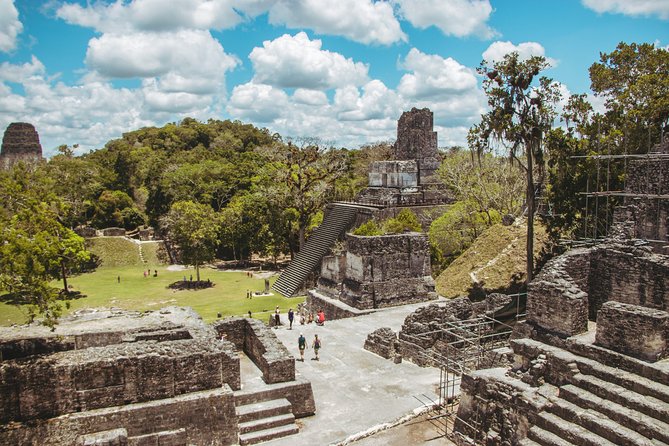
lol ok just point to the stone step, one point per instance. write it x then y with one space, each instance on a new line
267 434
646 425
266 423
570 432
263 409
597 423
640 384
528 442
546 438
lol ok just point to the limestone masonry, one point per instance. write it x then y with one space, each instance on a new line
109 377
20 143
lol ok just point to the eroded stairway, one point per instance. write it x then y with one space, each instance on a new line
597 404
340 218
263 419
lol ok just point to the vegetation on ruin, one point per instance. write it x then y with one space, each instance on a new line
496 259
405 221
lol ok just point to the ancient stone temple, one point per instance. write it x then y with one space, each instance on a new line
20 143
592 358
407 181
110 377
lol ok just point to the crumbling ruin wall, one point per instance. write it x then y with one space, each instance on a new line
383 342
617 321
261 346
395 174
629 274
92 378
387 270
333 272
417 140
206 417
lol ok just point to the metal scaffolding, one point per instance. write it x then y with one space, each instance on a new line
466 345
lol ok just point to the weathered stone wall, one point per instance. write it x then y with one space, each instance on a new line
383 342
206 417
417 140
628 274
387 270
316 302
79 380
633 330
393 174
20 142
261 346
113 232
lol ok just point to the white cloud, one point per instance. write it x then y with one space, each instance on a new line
152 15
10 25
659 8
497 50
458 18
188 60
297 62
258 102
18 73
375 102
433 75
310 97
364 21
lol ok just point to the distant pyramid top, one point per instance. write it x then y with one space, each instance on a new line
21 139
416 138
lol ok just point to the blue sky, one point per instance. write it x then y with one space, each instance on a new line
85 72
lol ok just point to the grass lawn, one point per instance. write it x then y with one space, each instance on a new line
136 292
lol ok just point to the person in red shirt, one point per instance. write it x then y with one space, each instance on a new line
321 317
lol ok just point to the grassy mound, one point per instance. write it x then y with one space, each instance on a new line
494 262
119 251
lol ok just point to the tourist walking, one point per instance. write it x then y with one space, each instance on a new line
277 319
291 316
301 344
316 346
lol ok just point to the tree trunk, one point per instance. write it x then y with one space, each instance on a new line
197 271
301 235
530 216
63 273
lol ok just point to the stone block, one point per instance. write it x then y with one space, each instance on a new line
558 306
383 342
113 437
637 331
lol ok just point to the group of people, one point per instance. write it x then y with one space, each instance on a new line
320 318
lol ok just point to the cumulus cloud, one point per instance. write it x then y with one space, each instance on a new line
364 21
151 15
497 50
659 8
433 76
298 62
458 18
10 25
258 102
191 60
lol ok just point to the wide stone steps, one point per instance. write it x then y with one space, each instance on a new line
571 432
646 425
597 423
265 420
338 220
616 406
539 436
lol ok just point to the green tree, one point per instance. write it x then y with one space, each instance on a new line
301 177
521 112
194 227
406 220
35 247
633 79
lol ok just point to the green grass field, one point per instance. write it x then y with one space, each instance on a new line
136 292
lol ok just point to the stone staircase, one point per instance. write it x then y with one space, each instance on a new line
340 218
264 420
600 404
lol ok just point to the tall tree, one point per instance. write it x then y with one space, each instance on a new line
521 112
35 247
633 79
301 177
194 227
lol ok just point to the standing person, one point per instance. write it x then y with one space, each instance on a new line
302 318
277 319
291 316
321 317
118 279
317 346
144 273
301 344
